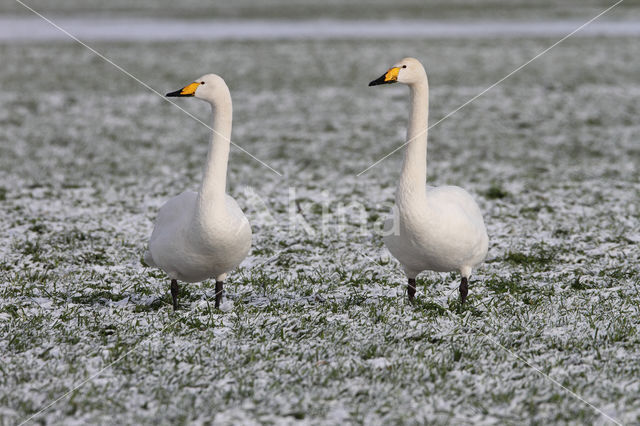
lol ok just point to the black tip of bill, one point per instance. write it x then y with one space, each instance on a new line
380 80
177 94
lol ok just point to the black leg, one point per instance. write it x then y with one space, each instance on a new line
174 294
411 289
464 289
219 285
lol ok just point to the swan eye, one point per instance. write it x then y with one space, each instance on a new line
202 82
404 66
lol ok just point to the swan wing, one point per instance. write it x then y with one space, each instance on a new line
463 218
458 203
173 214
171 220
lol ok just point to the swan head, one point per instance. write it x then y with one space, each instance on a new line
408 71
209 87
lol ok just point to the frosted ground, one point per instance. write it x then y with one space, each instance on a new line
318 329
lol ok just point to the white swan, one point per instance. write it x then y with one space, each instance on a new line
437 229
204 234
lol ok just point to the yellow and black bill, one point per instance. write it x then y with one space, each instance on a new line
188 90
389 77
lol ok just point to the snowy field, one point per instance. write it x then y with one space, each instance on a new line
118 29
317 328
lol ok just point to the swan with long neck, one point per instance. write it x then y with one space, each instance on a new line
204 234
431 228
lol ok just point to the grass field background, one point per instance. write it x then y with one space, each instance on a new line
318 329
333 9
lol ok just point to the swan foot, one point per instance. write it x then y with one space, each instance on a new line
219 285
175 290
464 290
411 289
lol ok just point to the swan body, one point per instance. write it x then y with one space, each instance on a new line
192 252
431 228
450 237
204 234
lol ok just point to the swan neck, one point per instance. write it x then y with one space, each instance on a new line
214 181
414 168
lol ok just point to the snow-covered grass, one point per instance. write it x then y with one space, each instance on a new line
319 329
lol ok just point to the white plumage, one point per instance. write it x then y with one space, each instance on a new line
431 228
204 234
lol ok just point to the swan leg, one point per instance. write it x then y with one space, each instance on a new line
411 289
219 285
174 294
464 289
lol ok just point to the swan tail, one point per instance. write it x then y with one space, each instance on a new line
465 272
148 259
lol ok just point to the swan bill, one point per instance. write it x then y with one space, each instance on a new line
188 90
391 76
